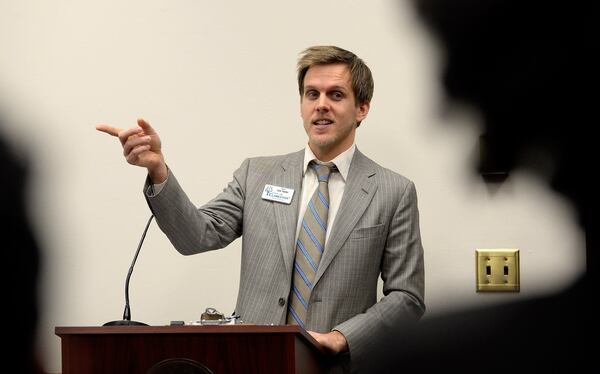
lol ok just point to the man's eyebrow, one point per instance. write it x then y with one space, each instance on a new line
332 88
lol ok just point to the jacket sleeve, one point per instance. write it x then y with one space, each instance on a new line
193 230
402 272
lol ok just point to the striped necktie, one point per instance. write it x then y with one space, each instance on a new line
309 247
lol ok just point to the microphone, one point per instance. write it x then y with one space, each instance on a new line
126 321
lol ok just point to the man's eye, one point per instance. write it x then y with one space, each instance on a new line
311 94
337 95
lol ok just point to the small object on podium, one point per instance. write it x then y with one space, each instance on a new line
213 317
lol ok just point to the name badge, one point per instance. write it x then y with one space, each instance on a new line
278 194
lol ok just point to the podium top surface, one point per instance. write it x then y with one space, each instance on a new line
189 329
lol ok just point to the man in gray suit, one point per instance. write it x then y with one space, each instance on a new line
372 227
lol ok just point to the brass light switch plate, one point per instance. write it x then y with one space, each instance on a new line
497 270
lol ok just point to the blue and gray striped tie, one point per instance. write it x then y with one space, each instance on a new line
309 247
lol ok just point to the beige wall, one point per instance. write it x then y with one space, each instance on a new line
217 80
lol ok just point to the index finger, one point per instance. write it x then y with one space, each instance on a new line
110 130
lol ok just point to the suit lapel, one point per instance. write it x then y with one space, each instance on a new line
286 216
358 193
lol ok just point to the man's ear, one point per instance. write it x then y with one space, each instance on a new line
362 111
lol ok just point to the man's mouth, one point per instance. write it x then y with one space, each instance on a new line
323 122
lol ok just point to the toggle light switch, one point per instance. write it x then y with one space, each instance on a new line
497 270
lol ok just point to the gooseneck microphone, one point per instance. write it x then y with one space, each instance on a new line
126 321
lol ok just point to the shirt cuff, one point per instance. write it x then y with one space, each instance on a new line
154 189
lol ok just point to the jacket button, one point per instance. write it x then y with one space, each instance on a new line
281 301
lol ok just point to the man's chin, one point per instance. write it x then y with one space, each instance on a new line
321 141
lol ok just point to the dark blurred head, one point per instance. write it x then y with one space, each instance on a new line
526 66
21 260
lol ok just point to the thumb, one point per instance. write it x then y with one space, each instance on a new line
148 130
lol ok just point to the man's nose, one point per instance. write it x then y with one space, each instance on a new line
322 104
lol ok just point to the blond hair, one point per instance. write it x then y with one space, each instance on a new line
360 74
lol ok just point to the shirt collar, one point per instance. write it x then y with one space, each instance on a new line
342 161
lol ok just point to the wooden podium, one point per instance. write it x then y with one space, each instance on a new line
189 349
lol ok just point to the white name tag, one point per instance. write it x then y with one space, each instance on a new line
278 194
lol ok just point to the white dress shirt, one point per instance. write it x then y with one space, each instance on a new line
337 184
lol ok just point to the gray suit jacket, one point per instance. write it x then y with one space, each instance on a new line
376 232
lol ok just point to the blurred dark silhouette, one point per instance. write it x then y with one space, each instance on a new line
528 67
21 265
